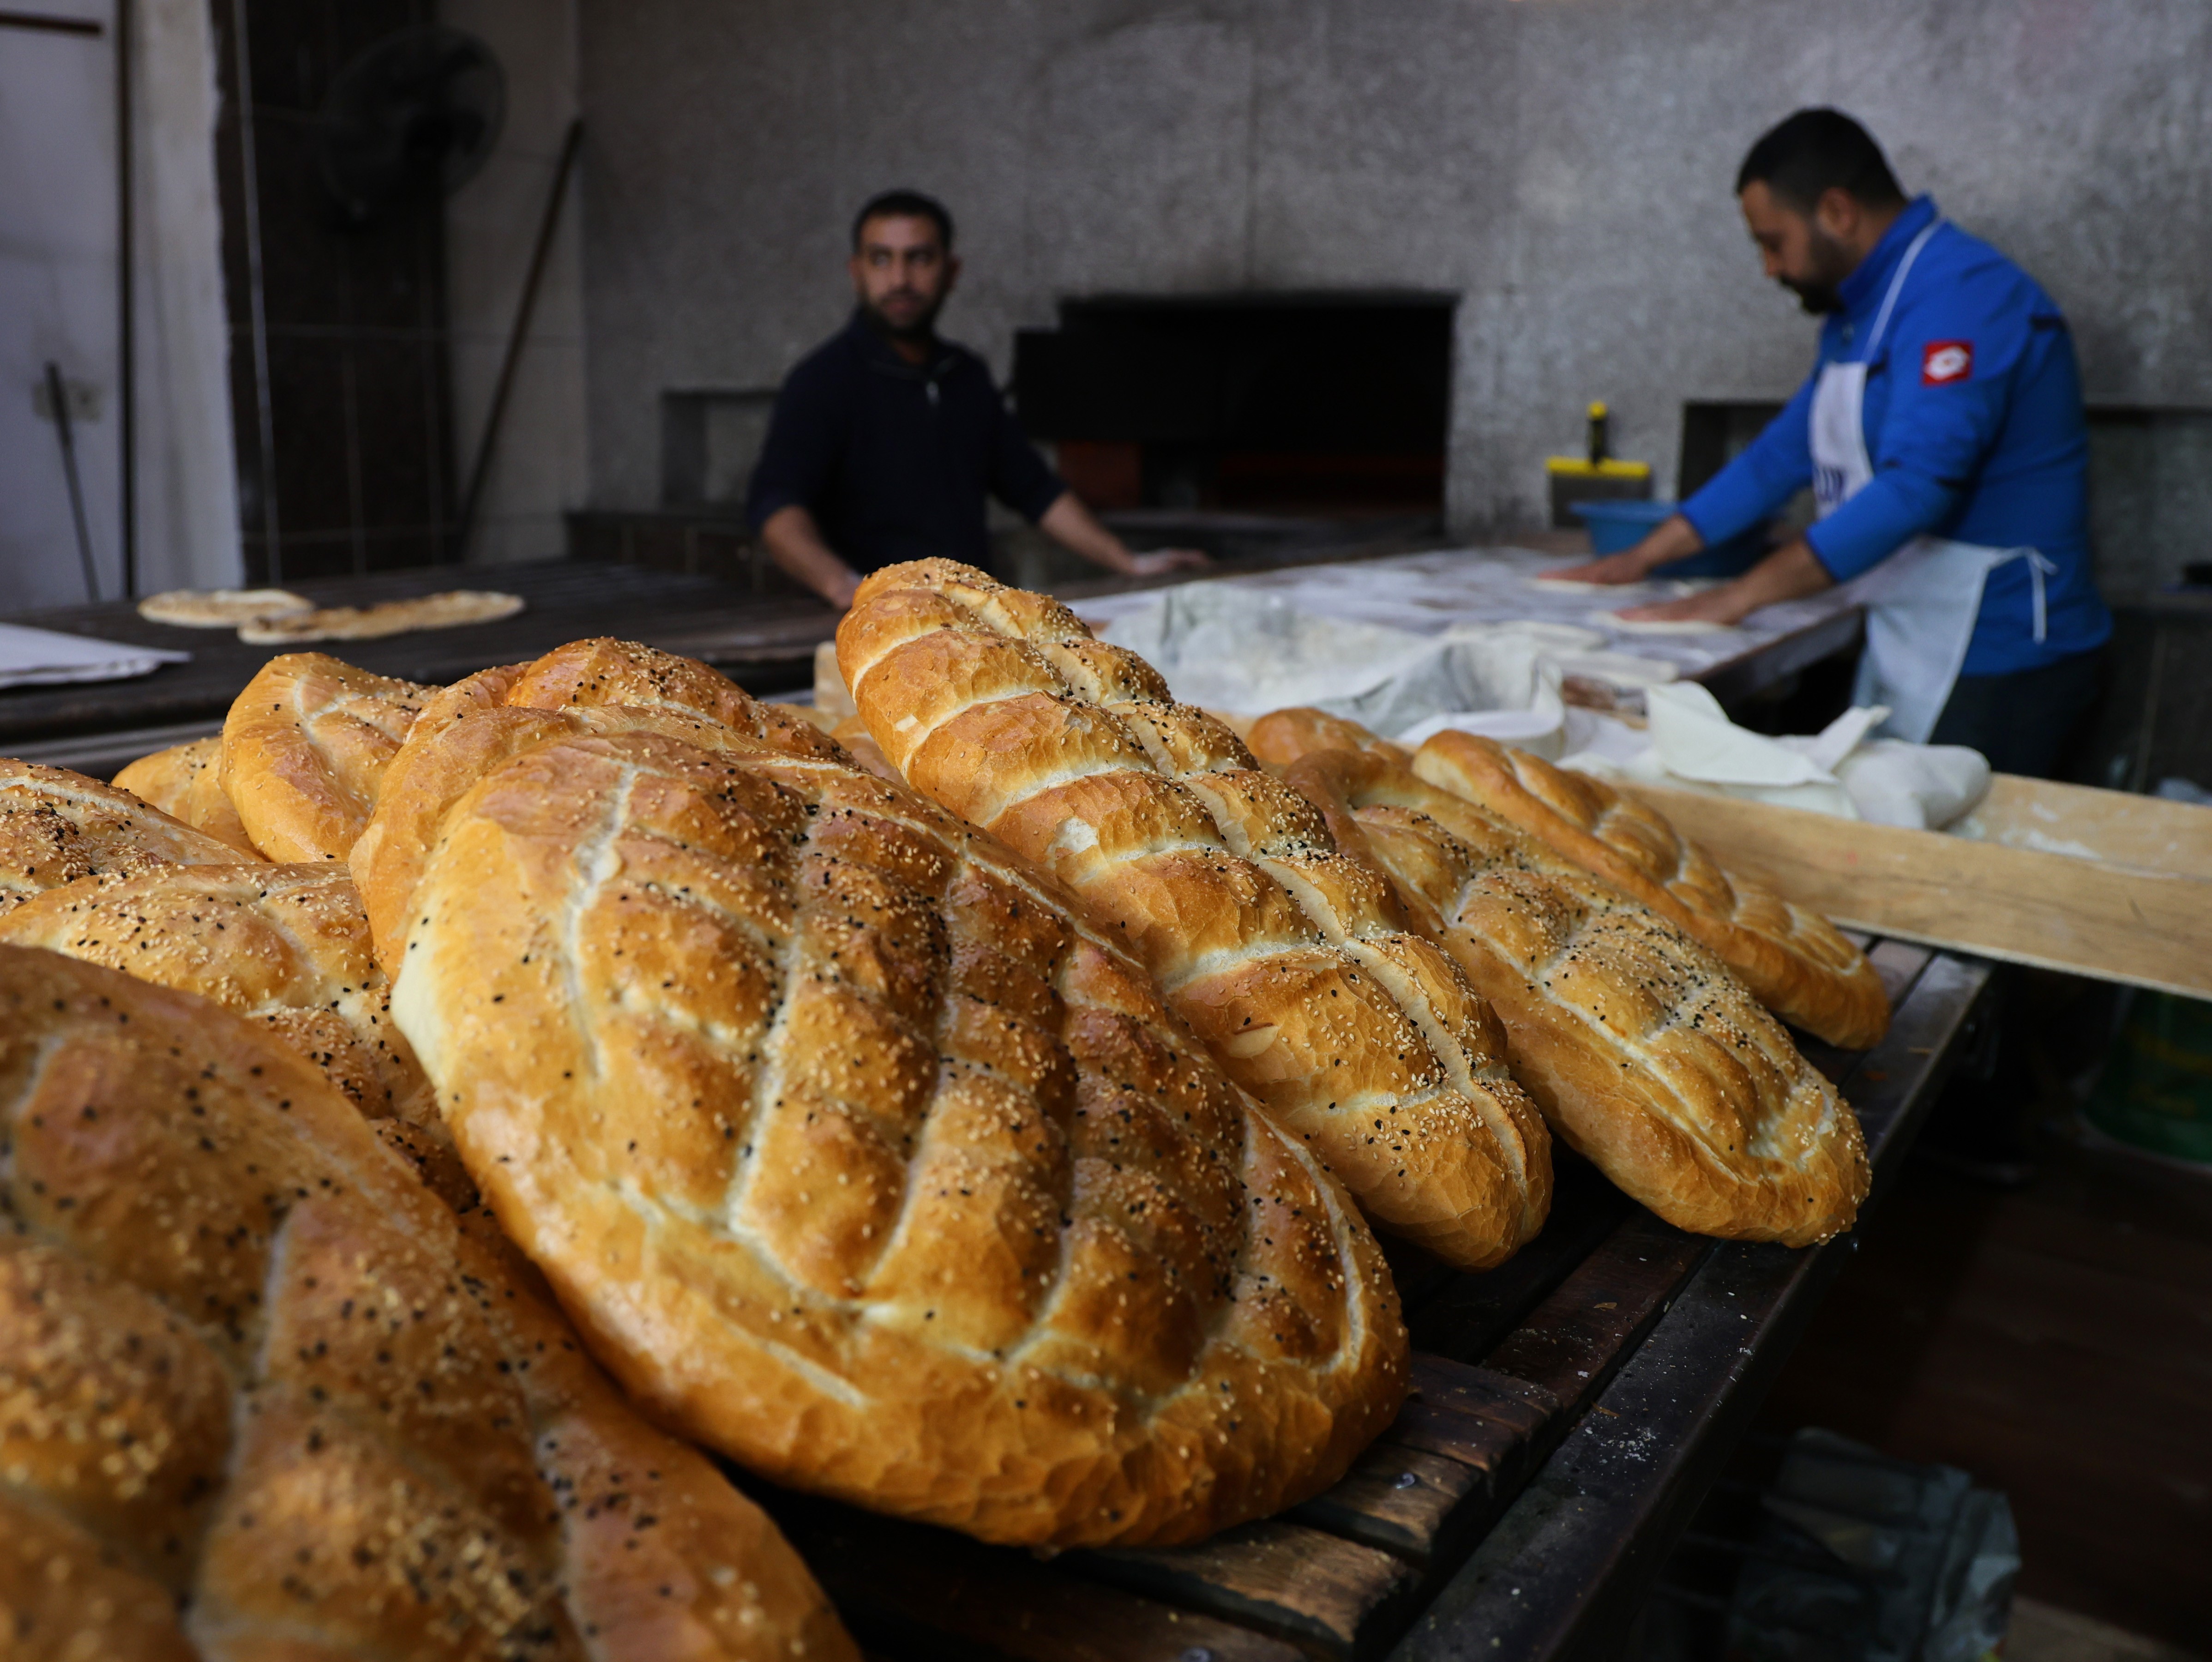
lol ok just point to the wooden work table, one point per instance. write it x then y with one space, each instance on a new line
1572 1408
762 637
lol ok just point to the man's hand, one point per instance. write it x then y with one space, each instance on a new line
1629 566
1161 561
1673 538
1790 574
795 544
1076 529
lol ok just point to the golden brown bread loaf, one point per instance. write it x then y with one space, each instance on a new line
185 781
287 947
1281 736
853 1149
56 826
1797 962
602 674
1292 964
1646 1053
262 1396
304 750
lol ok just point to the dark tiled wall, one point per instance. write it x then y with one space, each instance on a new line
360 473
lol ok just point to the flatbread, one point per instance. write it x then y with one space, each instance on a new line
221 608
1666 625
450 610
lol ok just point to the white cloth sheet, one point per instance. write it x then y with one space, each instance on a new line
43 657
1407 645
1428 593
1690 745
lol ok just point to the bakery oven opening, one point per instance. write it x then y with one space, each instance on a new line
1316 406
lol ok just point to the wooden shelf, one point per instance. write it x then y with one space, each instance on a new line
1568 1409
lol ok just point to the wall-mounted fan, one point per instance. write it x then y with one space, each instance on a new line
418 111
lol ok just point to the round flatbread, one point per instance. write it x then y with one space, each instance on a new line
221 608
450 610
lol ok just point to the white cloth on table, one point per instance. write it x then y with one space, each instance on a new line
45 657
1690 745
1245 651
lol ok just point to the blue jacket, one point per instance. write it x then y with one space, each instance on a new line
1988 446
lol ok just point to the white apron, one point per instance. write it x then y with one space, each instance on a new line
1922 601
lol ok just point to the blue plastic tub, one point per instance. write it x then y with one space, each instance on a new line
1614 525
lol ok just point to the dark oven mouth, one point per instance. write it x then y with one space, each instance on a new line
1316 405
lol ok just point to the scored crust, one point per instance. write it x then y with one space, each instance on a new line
1801 966
186 781
56 826
450 610
304 750
853 1149
268 1397
286 947
1646 1053
1292 964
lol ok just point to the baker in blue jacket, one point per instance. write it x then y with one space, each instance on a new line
1943 435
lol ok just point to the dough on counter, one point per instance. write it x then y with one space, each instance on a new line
221 608
1666 625
1570 584
450 610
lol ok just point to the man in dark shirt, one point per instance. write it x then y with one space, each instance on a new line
886 438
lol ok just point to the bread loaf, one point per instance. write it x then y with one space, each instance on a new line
264 1396
56 826
1646 1053
1292 964
1281 736
1798 963
185 781
450 610
304 750
853 1149
286 947
221 608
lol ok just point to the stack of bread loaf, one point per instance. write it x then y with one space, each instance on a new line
975 1107
418 1034
1585 926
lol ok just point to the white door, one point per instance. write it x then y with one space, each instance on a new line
57 302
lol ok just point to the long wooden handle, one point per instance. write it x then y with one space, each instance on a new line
2057 911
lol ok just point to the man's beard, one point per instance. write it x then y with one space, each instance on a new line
1819 293
923 327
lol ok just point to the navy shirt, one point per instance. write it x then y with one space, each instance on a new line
1974 424
893 458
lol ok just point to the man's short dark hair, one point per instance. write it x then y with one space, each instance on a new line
1816 151
905 204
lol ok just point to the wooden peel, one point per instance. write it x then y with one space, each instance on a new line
2130 901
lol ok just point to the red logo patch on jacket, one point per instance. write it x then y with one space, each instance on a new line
1944 361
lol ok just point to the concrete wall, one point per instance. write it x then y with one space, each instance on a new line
491 226
1564 165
